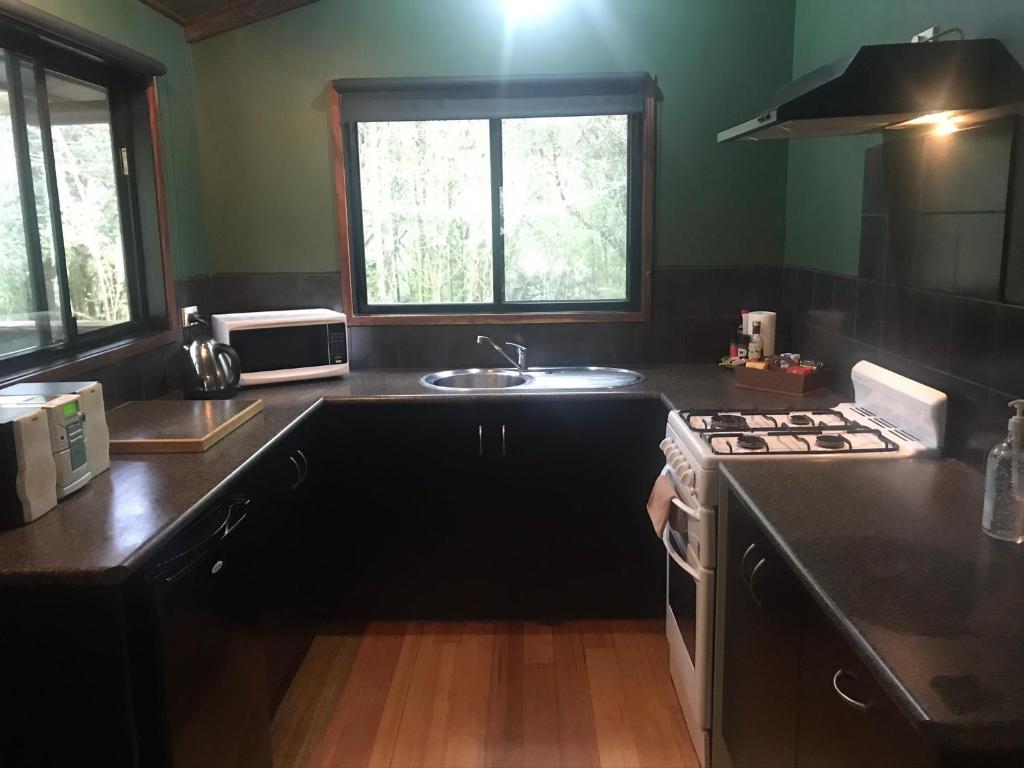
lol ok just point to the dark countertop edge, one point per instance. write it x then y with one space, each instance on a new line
119 573
995 735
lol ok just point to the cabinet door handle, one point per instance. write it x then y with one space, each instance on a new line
751 585
305 464
860 706
298 472
480 438
504 440
743 564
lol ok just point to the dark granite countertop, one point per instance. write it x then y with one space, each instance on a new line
894 553
106 530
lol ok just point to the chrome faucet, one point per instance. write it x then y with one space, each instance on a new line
519 364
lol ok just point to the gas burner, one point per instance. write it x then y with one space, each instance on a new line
730 421
752 442
831 442
801 420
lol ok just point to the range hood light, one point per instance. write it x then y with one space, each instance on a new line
930 119
943 123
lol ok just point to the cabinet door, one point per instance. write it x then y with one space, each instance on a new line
409 487
846 719
761 625
287 509
574 481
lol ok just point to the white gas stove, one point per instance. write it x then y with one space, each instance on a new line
891 416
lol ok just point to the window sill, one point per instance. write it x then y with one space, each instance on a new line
74 365
639 316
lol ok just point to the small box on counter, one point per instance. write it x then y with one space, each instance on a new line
796 380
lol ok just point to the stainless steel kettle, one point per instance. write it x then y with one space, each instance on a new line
212 369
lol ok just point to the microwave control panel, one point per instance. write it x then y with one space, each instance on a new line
337 349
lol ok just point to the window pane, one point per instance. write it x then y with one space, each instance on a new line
40 186
565 192
29 316
84 157
426 204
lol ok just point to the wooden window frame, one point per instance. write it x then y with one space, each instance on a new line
143 192
646 245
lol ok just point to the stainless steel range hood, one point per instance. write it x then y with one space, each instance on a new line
883 86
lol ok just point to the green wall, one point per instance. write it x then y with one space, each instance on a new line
132 24
826 175
263 125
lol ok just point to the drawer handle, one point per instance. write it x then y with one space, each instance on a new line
743 564
751 585
860 706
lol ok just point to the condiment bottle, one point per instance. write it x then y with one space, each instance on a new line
755 349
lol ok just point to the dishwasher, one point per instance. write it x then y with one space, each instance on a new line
209 664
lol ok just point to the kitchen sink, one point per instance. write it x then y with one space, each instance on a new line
468 379
575 377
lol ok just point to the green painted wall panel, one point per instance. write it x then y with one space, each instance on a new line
826 175
264 135
132 24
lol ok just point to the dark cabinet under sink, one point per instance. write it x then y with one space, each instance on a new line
501 509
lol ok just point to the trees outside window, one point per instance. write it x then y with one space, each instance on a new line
496 197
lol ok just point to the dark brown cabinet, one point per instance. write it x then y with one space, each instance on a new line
761 652
793 692
288 502
494 509
846 719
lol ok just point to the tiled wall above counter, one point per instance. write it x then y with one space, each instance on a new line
695 311
936 247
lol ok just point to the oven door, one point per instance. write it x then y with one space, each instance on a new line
689 626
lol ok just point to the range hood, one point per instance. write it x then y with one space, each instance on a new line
896 85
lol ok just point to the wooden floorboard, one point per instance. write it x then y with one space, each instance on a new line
496 694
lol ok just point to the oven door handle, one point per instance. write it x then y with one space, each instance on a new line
690 511
666 538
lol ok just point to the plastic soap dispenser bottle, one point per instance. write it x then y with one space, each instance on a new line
1004 484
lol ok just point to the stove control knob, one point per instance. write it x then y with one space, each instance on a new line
666 445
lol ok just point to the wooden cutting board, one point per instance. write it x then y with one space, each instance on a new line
176 426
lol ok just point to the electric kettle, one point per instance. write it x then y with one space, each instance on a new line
212 369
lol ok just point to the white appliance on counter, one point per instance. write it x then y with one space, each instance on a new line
28 477
90 399
286 345
892 416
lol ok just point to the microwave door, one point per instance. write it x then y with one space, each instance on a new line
281 348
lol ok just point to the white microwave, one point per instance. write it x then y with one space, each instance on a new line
286 345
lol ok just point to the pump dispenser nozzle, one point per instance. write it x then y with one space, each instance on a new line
1017 422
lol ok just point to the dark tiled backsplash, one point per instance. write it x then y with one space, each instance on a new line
695 310
972 350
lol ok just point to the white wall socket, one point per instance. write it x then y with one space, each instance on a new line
185 312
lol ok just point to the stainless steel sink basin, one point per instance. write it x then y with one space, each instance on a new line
472 379
579 377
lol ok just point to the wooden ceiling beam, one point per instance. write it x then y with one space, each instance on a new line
231 15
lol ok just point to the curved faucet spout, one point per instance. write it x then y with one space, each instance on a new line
519 364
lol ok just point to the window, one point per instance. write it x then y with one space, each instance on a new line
72 272
495 197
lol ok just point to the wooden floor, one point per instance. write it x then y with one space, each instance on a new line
485 694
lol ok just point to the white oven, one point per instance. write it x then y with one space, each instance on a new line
286 345
892 417
689 539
